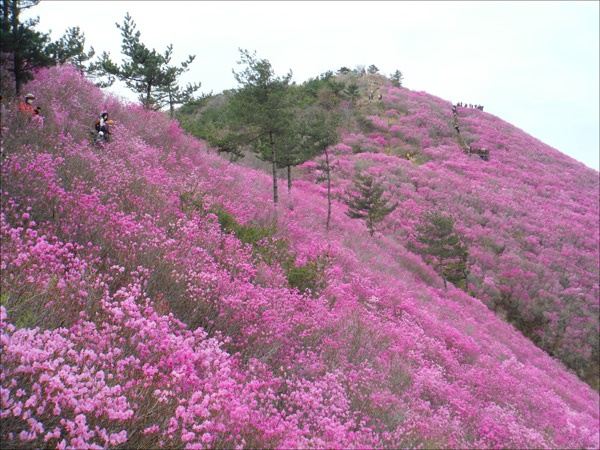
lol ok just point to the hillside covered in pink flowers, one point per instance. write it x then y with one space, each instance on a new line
153 295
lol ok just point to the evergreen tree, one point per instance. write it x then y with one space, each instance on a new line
146 71
23 49
170 93
70 49
353 93
372 69
321 133
324 89
397 78
442 248
292 153
259 111
368 202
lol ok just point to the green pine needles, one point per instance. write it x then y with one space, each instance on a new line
442 248
368 202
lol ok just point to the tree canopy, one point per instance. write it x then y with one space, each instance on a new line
260 111
442 247
368 202
23 48
148 72
70 48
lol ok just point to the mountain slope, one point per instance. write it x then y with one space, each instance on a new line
530 214
151 296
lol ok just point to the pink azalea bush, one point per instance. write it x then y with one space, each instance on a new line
132 317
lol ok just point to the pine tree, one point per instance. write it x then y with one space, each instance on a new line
260 112
353 93
368 202
442 247
292 151
321 132
23 49
397 78
372 69
146 71
70 49
170 93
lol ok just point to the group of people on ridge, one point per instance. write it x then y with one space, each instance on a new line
470 105
482 152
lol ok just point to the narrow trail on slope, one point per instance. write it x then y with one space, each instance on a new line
483 153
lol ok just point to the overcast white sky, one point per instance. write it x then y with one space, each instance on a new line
534 64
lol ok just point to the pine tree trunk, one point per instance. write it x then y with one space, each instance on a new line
148 91
171 105
273 161
17 59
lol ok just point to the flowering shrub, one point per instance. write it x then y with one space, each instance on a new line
153 295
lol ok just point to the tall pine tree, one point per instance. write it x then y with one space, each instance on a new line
146 71
321 133
70 49
260 113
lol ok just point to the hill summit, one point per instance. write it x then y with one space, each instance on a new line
154 295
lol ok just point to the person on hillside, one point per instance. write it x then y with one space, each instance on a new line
26 107
102 126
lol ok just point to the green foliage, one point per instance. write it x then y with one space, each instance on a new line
372 69
321 131
368 202
260 113
443 248
248 234
397 78
309 278
352 92
324 90
148 72
207 117
260 106
26 309
23 48
170 92
70 49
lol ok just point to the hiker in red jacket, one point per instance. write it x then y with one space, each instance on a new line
27 108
